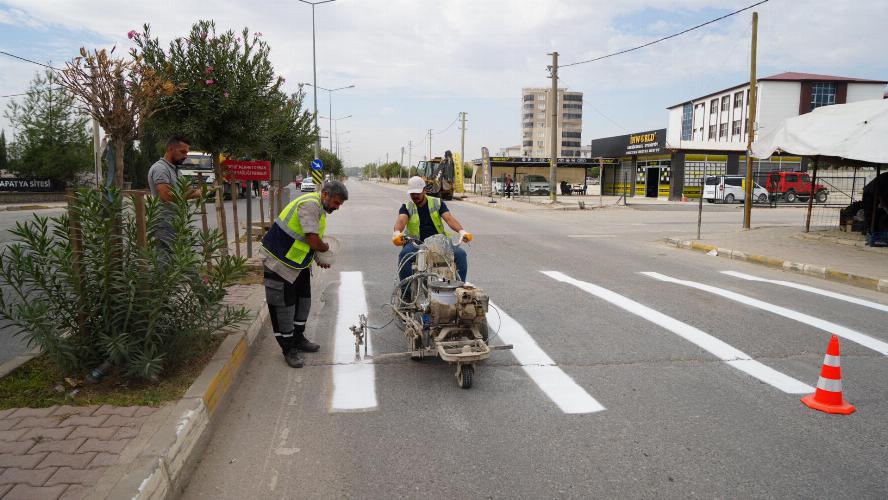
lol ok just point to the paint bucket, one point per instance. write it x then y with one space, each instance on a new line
328 257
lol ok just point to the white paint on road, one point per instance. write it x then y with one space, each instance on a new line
557 385
822 324
811 289
725 352
354 382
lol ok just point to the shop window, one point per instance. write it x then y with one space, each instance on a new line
687 119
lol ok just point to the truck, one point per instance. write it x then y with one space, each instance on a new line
794 186
198 163
438 174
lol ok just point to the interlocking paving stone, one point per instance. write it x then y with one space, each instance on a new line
32 422
59 459
16 447
67 475
117 420
104 459
33 412
93 432
104 446
25 492
8 423
22 461
66 445
34 477
75 492
47 434
123 411
88 421
83 411
12 435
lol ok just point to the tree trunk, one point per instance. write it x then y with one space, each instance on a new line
119 147
220 207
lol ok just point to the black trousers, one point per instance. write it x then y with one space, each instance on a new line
288 306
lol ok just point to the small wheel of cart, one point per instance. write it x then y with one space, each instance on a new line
464 376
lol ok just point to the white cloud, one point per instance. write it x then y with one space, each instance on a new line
484 52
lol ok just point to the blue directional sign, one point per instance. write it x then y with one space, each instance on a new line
317 164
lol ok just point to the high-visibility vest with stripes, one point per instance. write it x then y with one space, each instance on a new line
286 240
434 204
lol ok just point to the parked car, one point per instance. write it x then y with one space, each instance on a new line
307 185
535 184
730 188
794 186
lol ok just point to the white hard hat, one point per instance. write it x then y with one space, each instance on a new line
415 185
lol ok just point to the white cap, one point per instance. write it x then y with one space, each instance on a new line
415 185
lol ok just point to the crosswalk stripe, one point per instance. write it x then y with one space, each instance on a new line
822 324
354 382
725 352
806 288
551 379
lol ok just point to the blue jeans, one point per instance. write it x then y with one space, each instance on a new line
405 261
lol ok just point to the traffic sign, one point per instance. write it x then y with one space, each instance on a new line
247 170
317 164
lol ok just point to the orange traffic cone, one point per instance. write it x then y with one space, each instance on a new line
828 397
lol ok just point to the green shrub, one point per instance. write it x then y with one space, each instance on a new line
135 308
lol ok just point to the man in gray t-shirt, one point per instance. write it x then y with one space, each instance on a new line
162 176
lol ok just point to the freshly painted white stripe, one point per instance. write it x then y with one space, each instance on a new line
731 355
828 384
557 385
830 360
354 382
818 291
822 324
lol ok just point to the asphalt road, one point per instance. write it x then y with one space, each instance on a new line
621 384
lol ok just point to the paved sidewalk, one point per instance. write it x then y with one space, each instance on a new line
820 253
68 452
61 451
30 207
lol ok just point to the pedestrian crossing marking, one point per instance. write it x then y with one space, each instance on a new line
806 288
548 376
725 352
822 324
354 382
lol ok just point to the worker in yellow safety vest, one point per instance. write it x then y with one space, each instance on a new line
287 251
421 217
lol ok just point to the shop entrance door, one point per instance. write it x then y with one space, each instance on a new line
652 183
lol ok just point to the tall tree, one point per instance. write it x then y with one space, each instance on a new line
51 137
4 160
288 131
120 94
225 88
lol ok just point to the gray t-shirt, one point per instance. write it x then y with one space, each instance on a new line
310 219
163 172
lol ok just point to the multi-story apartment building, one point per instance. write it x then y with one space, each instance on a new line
536 123
719 121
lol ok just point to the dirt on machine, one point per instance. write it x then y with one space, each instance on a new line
439 175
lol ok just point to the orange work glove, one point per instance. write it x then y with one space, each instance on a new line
398 238
466 236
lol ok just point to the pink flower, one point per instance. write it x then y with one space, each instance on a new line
203 35
209 69
210 81
226 94
257 34
238 39
131 34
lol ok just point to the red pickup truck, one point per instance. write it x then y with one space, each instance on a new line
793 186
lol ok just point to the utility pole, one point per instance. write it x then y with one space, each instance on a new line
553 153
753 83
462 144
430 144
401 165
409 156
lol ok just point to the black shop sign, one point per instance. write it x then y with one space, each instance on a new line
13 184
642 143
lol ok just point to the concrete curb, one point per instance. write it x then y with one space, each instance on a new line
159 461
10 365
17 208
777 263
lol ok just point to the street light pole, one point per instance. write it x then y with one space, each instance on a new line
314 64
330 116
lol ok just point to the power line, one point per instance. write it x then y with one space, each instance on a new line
448 126
13 95
666 37
604 115
20 58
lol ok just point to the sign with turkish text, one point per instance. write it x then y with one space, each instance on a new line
250 170
486 188
13 184
458 182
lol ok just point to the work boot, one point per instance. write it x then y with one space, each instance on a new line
303 344
294 359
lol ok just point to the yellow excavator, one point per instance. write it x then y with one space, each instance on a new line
438 174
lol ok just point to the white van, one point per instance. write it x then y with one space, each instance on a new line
730 188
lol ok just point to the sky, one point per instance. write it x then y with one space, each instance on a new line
416 64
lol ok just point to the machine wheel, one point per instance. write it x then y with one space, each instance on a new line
464 378
820 197
763 198
729 198
485 331
791 197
